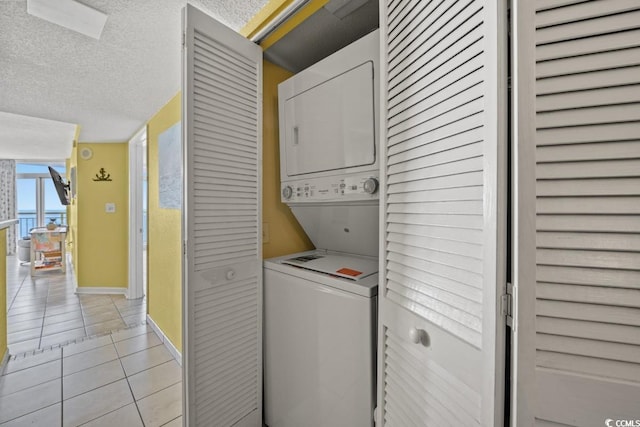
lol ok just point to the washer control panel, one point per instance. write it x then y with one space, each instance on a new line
344 187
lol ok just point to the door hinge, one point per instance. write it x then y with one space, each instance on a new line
184 38
507 305
184 247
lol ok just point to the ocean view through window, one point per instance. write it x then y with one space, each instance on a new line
38 202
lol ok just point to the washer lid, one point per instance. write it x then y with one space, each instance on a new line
348 267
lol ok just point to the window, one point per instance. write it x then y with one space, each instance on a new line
38 202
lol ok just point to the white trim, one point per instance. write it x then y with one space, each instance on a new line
165 340
100 290
5 359
136 161
495 211
523 229
8 223
278 20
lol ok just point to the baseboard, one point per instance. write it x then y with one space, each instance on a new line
166 341
4 361
95 290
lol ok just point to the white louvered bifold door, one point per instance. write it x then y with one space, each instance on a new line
586 140
222 117
443 128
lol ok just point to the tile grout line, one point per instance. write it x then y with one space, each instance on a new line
17 292
126 377
44 314
84 324
61 386
170 421
28 413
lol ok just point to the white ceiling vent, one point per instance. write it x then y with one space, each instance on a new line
69 14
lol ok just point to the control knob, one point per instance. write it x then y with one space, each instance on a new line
370 186
287 192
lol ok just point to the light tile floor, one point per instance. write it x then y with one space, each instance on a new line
44 311
126 378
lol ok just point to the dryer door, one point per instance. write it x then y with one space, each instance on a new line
331 126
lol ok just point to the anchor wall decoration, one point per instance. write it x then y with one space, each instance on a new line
102 175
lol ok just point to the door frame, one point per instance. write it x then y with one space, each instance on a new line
137 145
523 232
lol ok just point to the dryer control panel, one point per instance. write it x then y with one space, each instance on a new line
331 189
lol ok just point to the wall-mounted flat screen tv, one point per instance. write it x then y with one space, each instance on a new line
61 188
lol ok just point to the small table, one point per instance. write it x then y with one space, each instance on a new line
48 249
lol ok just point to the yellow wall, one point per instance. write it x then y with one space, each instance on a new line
101 243
285 234
164 297
3 292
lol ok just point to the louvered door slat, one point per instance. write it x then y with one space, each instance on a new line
591 241
542 5
593 98
588 187
440 165
582 11
573 364
589 294
605 24
590 330
589 276
608 151
590 312
615 41
460 235
582 64
591 80
222 274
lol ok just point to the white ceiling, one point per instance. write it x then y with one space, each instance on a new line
110 87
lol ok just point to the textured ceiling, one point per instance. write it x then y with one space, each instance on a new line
34 139
110 87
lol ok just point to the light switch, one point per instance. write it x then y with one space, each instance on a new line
110 208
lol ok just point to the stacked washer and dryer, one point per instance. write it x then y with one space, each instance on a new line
320 307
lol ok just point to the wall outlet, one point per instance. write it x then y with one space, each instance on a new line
265 232
110 208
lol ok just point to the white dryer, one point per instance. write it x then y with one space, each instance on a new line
320 306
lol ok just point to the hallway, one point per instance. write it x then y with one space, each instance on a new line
44 311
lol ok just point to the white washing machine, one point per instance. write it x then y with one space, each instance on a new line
319 340
320 306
